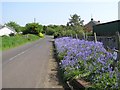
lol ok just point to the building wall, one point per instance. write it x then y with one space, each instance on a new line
107 29
88 28
5 31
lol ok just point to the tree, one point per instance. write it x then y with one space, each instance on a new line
75 22
50 31
33 28
14 25
44 29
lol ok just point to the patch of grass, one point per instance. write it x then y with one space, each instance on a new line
14 41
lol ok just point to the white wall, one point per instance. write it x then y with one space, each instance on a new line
5 31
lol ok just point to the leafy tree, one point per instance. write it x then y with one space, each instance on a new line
75 22
50 31
44 29
14 25
22 28
56 30
33 28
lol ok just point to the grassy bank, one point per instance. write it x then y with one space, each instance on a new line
14 41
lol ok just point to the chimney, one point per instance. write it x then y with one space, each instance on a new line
91 19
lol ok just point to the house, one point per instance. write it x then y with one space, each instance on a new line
107 29
5 30
89 25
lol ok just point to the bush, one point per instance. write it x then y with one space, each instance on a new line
50 31
41 35
33 28
56 35
12 34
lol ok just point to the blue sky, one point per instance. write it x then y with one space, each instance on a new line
58 12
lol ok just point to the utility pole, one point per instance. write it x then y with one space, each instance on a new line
34 20
91 16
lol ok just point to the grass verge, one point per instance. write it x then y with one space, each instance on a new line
14 41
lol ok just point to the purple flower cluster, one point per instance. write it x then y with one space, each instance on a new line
87 55
80 49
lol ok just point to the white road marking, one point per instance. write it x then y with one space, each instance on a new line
11 59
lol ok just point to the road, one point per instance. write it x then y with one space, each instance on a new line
26 66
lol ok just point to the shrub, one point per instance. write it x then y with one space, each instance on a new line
32 28
12 34
50 31
41 35
56 35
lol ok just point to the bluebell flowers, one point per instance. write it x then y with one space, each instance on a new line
86 59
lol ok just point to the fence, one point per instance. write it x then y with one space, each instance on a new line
108 42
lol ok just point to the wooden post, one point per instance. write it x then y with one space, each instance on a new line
60 36
76 36
118 44
71 36
95 37
86 36
118 57
83 35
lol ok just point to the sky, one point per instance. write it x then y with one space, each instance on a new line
58 13
119 10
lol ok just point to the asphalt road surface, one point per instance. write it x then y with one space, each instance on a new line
26 66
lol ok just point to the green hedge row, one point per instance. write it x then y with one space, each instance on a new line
13 41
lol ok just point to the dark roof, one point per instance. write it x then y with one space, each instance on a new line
92 23
109 22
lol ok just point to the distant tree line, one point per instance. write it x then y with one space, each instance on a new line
29 28
73 26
